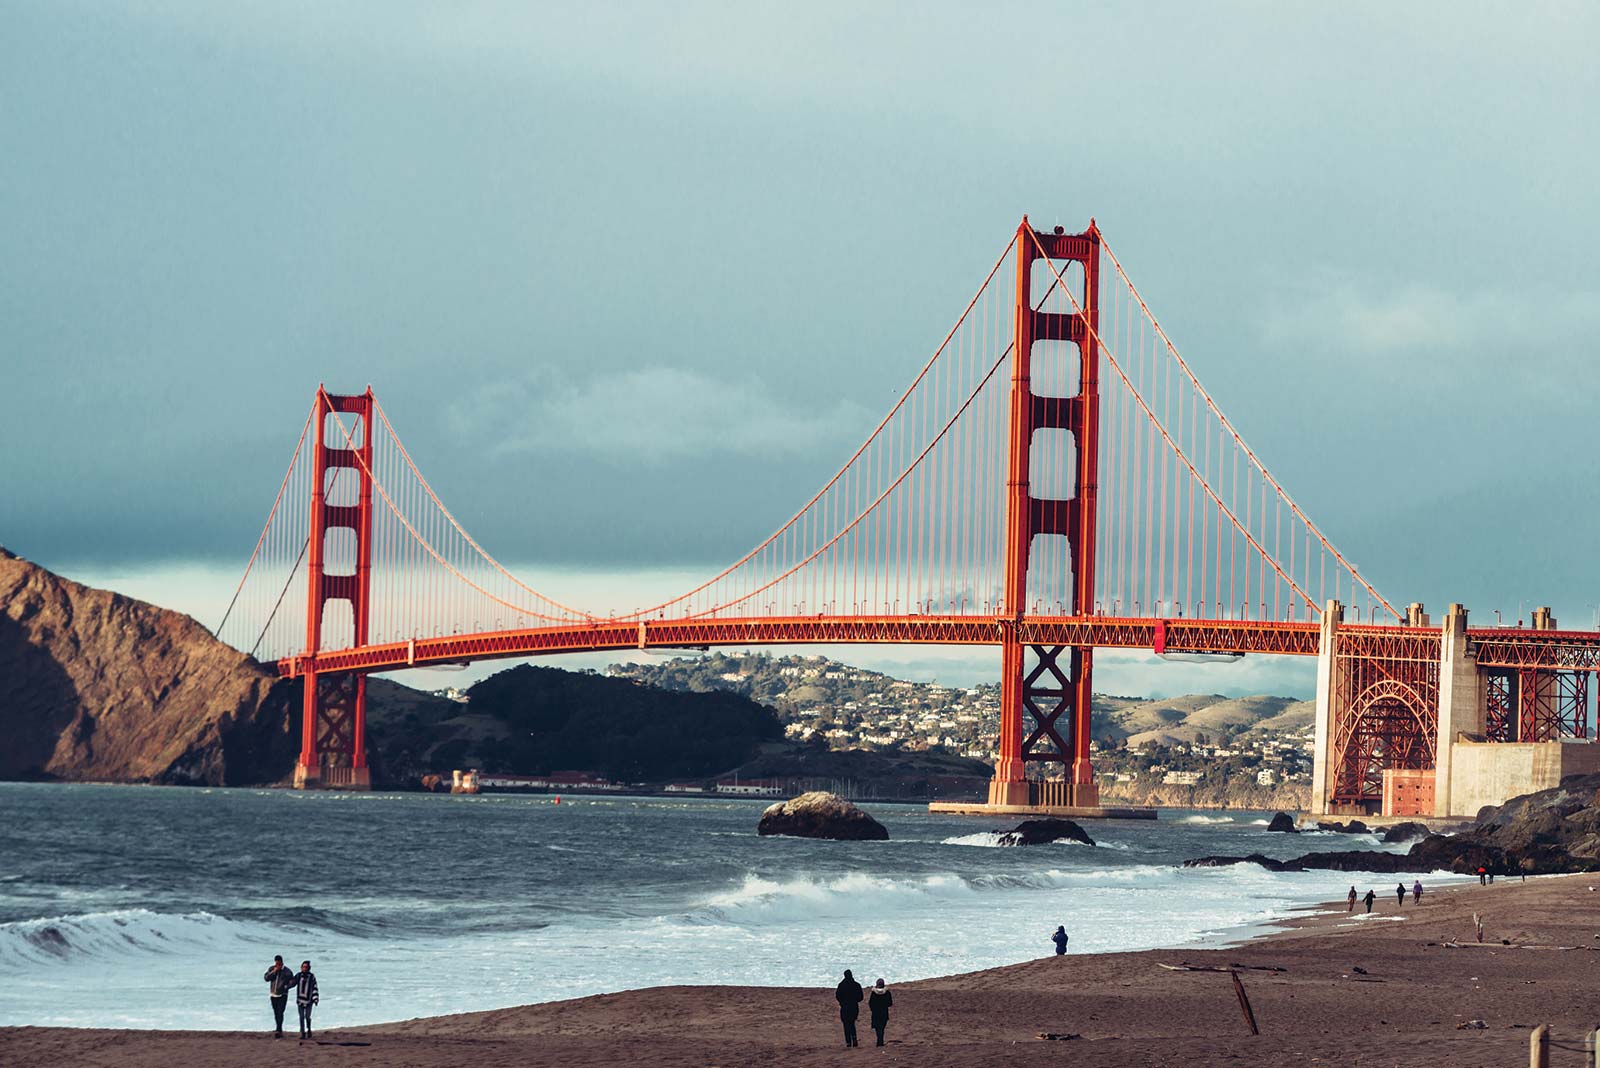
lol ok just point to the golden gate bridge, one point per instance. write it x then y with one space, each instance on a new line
1055 479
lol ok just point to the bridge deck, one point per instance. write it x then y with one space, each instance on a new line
1509 647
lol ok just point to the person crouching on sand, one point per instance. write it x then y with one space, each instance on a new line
279 980
1369 899
1060 939
878 1005
848 995
1350 902
305 996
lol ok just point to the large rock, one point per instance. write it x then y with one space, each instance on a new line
1282 822
1353 827
1405 832
97 686
1549 831
1038 832
821 815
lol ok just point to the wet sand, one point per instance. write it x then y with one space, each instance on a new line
1126 1009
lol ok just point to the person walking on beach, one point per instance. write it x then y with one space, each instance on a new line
878 1005
279 980
1482 875
1369 899
1400 893
848 995
1416 892
1060 939
305 996
1350 902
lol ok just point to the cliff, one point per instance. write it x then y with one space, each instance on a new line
95 686
1236 791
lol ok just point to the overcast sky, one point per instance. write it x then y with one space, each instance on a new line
632 281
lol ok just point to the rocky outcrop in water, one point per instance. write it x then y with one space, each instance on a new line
1405 832
1038 832
819 814
1344 860
1353 827
95 686
1282 823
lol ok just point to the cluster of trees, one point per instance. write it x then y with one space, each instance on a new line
629 732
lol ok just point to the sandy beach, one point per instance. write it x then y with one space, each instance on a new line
1403 1007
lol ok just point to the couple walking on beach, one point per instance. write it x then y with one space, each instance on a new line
280 980
848 994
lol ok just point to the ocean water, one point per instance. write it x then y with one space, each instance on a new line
161 907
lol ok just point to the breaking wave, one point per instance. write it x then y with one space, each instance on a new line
991 839
124 933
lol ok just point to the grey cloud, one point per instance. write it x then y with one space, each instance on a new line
652 416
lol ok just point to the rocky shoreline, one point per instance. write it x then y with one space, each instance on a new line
1551 832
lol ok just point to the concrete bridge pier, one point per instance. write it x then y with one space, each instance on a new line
1461 704
1327 703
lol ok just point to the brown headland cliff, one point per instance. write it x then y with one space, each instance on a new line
95 686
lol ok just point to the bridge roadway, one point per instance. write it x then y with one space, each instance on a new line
1510 647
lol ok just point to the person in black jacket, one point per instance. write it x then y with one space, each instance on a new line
305 996
1060 939
848 995
878 1003
279 980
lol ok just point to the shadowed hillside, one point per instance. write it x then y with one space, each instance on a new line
100 687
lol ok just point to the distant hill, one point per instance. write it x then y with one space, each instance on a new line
1193 717
531 720
829 696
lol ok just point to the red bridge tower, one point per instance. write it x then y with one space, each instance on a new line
1055 689
333 740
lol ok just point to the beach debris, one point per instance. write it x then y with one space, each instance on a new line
1478 923
1053 1036
1358 969
1472 1025
1244 1003
819 814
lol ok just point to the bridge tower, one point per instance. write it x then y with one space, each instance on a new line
333 739
1054 690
